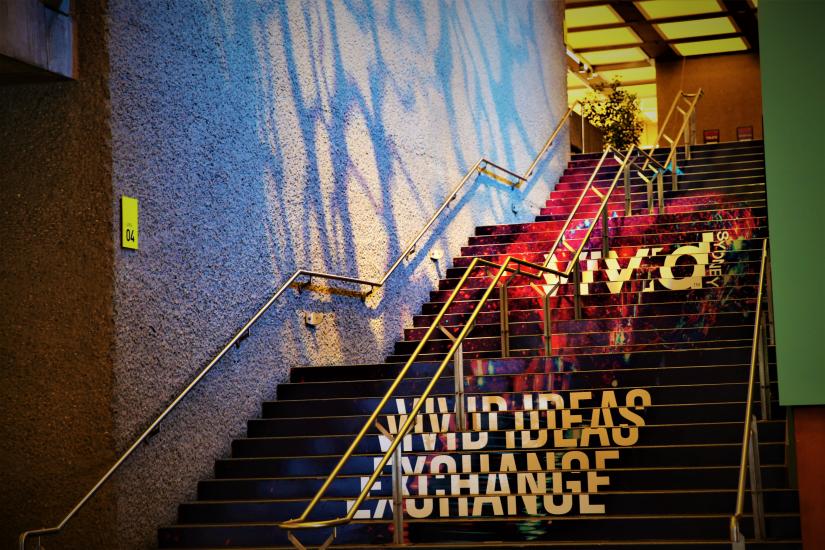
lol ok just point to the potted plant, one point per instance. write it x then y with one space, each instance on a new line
615 112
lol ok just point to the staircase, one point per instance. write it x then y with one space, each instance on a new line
627 435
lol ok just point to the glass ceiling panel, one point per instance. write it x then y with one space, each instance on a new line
704 27
623 55
711 46
606 37
659 9
594 15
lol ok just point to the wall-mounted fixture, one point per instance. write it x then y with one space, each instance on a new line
313 318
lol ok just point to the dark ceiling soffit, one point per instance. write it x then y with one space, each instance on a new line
652 43
663 42
744 17
680 19
621 66
570 4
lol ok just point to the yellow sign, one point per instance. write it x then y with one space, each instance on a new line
129 218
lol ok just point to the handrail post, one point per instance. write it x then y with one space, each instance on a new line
687 118
397 498
756 483
577 301
504 318
626 176
769 292
458 376
548 328
692 126
660 177
605 233
458 382
764 376
649 190
674 169
749 458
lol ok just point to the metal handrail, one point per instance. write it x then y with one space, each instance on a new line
479 167
301 521
626 161
748 437
688 121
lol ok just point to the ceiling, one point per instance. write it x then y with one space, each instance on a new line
625 38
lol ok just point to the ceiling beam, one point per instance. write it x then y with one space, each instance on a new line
571 4
651 40
622 66
745 19
706 37
678 19
660 41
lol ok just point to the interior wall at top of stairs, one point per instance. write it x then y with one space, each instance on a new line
264 137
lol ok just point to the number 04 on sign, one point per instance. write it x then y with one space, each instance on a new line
129 221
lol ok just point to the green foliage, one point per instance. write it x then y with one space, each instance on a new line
616 113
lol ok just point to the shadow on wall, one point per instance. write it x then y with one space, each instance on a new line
353 110
287 135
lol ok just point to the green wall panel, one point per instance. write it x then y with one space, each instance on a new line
791 48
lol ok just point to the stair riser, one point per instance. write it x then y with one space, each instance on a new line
774 477
633 503
624 338
620 245
427 531
565 312
604 284
727 174
667 367
629 457
709 184
583 364
617 208
599 305
506 438
674 209
502 384
604 332
668 234
637 219
329 424
635 324
638 198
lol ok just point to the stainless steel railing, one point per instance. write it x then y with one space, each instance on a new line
686 130
749 466
483 165
455 352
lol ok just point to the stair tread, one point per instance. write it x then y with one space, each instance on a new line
689 349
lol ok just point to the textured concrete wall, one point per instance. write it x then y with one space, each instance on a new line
56 290
264 137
